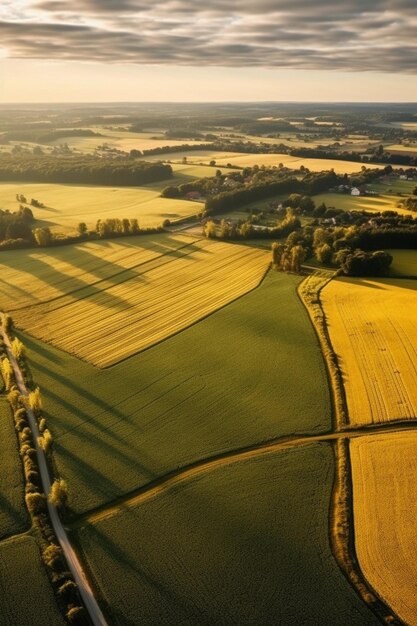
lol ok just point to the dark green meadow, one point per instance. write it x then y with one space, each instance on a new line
27 598
249 373
13 514
241 544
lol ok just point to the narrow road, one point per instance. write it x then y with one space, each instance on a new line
74 565
227 458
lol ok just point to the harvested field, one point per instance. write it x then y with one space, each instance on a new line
162 294
241 159
384 470
25 591
242 544
121 140
33 276
372 326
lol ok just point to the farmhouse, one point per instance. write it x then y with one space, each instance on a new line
230 182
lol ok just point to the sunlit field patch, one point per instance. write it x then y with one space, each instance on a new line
162 292
372 326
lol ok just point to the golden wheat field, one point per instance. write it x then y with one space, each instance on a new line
373 329
39 275
161 293
385 511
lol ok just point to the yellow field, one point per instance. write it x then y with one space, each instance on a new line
384 469
121 140
244 160
67 205
399 147
30 277
373 329
163 292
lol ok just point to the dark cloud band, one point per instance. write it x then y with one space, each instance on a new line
354 35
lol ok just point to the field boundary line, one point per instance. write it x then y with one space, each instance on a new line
177 332
309 291
341 522
342 535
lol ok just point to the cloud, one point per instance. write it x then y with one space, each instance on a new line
356 35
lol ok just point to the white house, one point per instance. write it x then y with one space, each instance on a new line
355 192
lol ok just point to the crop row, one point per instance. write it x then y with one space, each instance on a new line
116 322
31 277
373 329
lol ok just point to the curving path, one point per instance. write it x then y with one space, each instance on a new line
205 465
74 564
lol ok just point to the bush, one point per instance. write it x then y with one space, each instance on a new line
20 414
362 263
53 557
35 400
59 493
33 477
76 615
18 348
69 591
13 398
45 440
324 253
21 425
26 435
7 322
36 503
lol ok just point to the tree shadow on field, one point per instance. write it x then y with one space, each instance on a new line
384 281
128 457
60 281
38 347
93 479
360 281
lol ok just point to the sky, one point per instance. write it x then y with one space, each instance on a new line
211 50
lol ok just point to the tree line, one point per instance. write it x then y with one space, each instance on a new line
53 557
82 170
309 185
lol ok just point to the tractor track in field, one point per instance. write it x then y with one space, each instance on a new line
223 459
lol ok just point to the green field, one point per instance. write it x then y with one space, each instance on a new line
360 203
26 593
219 385
404 262
242 544
395 186
68 205
13 514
